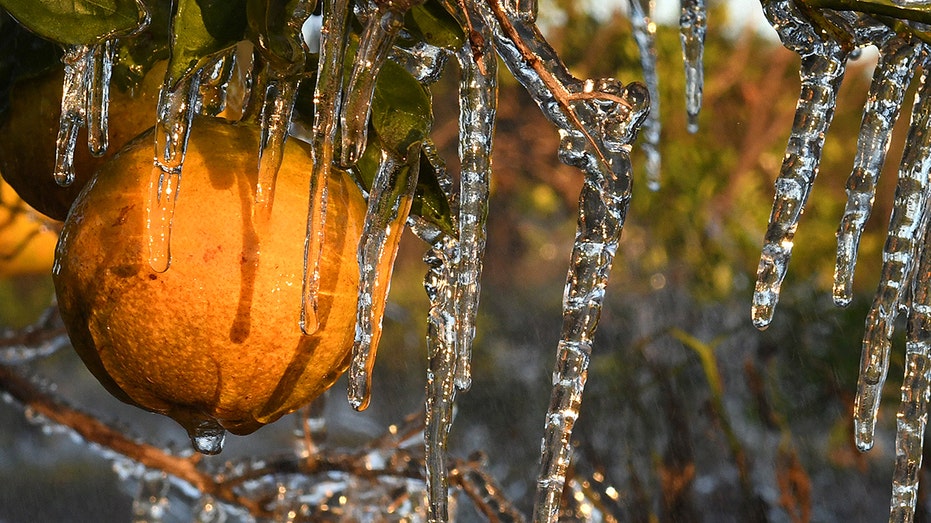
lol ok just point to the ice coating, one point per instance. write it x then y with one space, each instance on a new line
388 205
77 59
478 92
893 73
821 71
208 437
912 417
641 18
175 111
98 96
440 285
903 244
692 27
327 96
280 95
379 35
423 61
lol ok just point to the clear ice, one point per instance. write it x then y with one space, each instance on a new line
897 62
440 285
641 18
388 205
379 35
176 104
822 70
903 245
327 96
692 27
77 60
280 95
98 96
478 92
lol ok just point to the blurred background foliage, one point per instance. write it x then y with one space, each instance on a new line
690 414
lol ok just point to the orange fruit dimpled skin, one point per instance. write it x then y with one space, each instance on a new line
215 339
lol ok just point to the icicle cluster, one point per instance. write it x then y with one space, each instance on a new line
824 45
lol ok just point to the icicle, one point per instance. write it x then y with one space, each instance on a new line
280 95
641 18
98 96
376 41
389 203
478 92
327 95
440 285
893 73
77 59
822 70
912 417
692 26
523 9
175 111
207 436
215 84
902 242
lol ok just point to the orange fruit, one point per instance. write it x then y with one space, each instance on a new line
27 239
214 341
30 129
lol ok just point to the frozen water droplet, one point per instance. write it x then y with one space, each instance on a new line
376 41
208 437
77 59
175 112
389 204
423 61
327 96
280 95
692 25
893 73
641 17
98 96
478 92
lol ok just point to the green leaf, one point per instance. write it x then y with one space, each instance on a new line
78 22
431 23
200 30
402 113
138 54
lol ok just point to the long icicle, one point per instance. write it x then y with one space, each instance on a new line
893 73
440 285
327 95
641 17
98 96
912 418
280 95
822 70
899 253
389 203
692 27
478 93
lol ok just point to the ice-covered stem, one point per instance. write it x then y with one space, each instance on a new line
692 27
902 247
389 203
822 70
912 417
327 96
77 60
375 44
897 62
641 18
98 96
440 285
478 98
175 111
